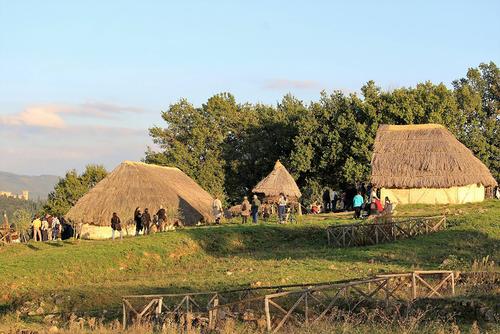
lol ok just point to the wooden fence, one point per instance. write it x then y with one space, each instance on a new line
364 234
274 307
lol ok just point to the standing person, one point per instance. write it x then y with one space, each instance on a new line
44 229
50 221
146 221
116 225
255 208
37 225
335 198
282 202
162 218
326 199
138 220
357 204
56 228
217 209
245 210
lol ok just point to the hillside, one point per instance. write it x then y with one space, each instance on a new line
38 186
92 275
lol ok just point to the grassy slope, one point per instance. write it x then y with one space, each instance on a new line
97 273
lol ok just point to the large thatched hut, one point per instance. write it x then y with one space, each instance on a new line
278 181
136 184
426 164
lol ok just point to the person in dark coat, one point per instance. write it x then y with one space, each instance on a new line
146 221
138 220
116 225
67 230
162 218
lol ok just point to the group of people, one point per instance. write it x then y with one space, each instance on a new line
247 209
144 222
48 228
371 205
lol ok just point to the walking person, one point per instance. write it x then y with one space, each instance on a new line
162 218
245 210
282 203
138 220
116 225
146 221
217 209
357 204
37 225
255 209
56 228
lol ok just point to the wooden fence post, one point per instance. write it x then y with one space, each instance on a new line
124 316
268 314
413 286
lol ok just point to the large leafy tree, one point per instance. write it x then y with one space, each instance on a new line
72 187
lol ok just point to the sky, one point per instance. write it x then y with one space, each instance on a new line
82 81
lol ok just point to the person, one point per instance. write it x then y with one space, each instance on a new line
138 220
255 209
335 199
245 210
56 228
37 225
327 199
146 221
282 202
116 225
357 204
375 206
67 230
44 229
50 221
497 193
162 218
217 209
388 207
314 208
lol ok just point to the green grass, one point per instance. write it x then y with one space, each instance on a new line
95 274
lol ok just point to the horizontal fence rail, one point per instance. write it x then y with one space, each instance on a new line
387 230
271 308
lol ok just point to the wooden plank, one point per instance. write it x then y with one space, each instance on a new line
287 315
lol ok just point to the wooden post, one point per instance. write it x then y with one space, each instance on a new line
306 303
159 307
124 316
268 314
413 286
452 283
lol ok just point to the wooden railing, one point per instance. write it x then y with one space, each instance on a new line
388 230
276 306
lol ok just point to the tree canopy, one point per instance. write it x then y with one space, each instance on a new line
227 147
72 187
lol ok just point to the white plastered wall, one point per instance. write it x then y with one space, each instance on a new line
454 195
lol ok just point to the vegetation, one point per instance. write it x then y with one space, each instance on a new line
10 205
72 187
228 147
91 276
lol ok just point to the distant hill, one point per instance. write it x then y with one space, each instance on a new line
38 186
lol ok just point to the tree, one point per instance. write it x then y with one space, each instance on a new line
72 187
22 222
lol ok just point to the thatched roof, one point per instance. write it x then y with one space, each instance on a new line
136 184
424 156
278 181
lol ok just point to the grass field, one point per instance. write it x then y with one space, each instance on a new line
93 275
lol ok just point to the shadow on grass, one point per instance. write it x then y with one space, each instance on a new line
32 247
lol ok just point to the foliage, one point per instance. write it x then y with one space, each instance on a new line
228 147
11 205
71 188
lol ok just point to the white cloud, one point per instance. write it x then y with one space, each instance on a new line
54 115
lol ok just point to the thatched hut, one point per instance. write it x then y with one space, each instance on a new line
136 184
426 164
278 181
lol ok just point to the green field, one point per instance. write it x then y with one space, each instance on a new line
91 276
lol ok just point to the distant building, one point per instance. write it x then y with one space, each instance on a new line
24 194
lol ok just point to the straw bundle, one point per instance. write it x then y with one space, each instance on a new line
278 181
424 156
136 184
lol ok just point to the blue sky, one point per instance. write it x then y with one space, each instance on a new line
80 82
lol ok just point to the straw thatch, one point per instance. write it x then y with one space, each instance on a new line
136 184
424 156
278 181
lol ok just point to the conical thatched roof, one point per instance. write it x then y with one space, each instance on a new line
278 181
136 184
424 156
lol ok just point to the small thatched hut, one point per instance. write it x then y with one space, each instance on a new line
278 181
136 184
426 164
